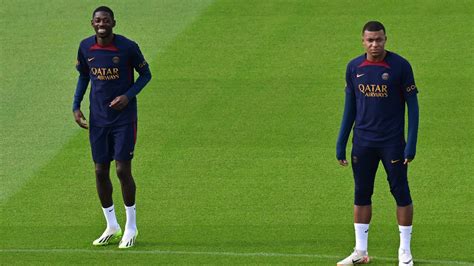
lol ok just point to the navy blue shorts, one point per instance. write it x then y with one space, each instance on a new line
365 161
113 143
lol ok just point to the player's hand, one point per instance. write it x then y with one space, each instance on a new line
80 119
407 160
343 162
119 102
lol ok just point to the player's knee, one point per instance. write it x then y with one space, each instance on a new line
363 195
402 195
124 174
101 173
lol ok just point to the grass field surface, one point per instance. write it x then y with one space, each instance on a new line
235 159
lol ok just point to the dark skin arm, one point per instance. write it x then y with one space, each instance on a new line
119 102
80 119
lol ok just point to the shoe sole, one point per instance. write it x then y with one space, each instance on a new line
366 260
113 238
130 244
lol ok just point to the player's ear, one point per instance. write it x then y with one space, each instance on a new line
113 23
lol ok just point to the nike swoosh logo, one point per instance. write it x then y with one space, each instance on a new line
111 210
359 75
355 261
90 59
394 161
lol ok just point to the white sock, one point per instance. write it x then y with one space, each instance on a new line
131 224
362 235
405 237
109 214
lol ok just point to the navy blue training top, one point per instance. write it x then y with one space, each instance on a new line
380 90
111 71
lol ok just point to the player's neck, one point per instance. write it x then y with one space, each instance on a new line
105 41
376 59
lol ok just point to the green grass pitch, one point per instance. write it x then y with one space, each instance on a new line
235 160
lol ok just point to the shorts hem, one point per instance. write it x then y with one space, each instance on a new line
123 159
102 161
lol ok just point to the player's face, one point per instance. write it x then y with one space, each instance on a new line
102 23
374 43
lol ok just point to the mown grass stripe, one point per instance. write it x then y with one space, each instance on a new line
223 253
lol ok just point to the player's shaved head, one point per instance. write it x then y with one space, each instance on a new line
103 9
373 26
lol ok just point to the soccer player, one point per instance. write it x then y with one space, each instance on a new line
108 60
378 85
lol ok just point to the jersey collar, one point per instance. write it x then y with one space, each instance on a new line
382 63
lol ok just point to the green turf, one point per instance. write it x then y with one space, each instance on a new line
235 156
39 42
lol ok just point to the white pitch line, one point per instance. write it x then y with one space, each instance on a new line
219 253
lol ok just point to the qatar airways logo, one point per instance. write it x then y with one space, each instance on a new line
373 90
105 73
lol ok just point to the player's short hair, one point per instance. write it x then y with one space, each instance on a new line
104 9
373 26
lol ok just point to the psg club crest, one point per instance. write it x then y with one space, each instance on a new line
116 59
355 159
385 76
